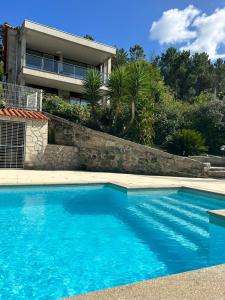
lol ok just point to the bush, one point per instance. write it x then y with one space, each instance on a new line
169 118
209 119
186 142
2 103
57 106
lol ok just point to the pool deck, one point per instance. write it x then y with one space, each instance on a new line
207 283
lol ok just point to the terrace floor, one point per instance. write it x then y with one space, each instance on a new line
207 283
27 177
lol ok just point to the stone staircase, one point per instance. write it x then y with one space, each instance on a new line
217 172
215 165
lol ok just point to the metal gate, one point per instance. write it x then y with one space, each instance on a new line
12 144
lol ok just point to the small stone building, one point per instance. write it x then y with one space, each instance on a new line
24 143
23 138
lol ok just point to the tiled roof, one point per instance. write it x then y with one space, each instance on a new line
22 113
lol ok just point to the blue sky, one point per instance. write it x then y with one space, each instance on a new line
116 22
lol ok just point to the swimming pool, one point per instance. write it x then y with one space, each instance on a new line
59 241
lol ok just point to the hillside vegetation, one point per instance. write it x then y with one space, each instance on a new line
175 102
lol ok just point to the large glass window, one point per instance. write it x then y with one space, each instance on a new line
33 61
48 62
68 69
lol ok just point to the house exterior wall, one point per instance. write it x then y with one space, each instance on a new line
44 39
12 55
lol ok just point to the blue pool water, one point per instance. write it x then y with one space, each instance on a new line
66 240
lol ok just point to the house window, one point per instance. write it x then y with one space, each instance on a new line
78 101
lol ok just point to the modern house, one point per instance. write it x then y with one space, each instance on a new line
46 58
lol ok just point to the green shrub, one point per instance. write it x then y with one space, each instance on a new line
186 142
2 103
57 106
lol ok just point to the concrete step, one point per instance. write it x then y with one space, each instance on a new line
217 173
217 168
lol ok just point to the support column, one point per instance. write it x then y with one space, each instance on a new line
109 65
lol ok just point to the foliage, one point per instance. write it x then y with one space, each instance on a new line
169 117
142 130
1 70
137 53
187 142
92 85
177 102
209 119
137 84
57 106
89 37
2 103
120 59
189 75
117 92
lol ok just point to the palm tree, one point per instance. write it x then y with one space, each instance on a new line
92 85
137 85
117 91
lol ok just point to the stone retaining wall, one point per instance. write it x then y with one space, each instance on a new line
102 152
59 157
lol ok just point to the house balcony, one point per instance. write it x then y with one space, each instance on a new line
42 71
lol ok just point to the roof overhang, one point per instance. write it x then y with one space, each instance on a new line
53 41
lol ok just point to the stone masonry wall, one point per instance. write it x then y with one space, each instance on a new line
102 152
36 140
39 154
58 157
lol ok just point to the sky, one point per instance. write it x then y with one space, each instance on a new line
197 25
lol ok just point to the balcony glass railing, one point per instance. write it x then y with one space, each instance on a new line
50 65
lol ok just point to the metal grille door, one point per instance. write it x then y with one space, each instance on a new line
12 143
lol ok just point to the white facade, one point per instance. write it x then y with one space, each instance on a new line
47 58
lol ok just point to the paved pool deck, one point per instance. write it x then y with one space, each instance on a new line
206 283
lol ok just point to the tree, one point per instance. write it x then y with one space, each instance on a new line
117 84
187 75
137 85
168 118
137 53
89 37
187 142
92 85
219 78
142 129
209 118
120 59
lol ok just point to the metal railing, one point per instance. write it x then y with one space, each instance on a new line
62 68
19 96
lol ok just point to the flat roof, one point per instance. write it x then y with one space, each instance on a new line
68 36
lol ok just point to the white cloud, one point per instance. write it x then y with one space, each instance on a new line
196 31
174 25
